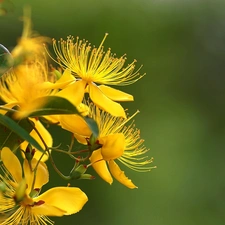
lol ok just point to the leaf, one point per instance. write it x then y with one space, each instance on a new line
92 125
15 132
53 105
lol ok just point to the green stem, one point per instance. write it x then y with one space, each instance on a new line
57 170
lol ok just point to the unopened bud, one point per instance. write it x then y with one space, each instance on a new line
87 177
77 172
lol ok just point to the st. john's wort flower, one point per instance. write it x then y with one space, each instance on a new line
20 202
92 66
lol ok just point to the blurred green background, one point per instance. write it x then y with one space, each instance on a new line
181 44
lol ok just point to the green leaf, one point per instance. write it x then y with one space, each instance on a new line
14 132
54 105
92 125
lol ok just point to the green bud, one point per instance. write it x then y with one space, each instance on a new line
78 171
87 177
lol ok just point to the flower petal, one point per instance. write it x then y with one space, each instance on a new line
80 139
119 175
62 82
69 199
73 92
27 108
66 78
100 166
115 95
46 137
75 124
105 103
113 146
42 175
47 210
12 164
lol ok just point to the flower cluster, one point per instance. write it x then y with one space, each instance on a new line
75 95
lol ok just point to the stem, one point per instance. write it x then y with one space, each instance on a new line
57 170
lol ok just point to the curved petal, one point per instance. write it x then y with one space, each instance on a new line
66 77
42 175
105 103
80 139
12 164
75 124
54 119
46 137
116 95
100 166
69 199
47 210
119 175
73 92
61 83
27 108
113 146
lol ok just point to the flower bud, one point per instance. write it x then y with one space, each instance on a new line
78 171
87 177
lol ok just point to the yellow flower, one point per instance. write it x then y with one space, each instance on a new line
30 44
24 85
119 142
20 202
30 78
94 66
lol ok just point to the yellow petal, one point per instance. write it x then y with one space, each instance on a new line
112 146
62 82
27 108
46 137
75 124
47 210
41 177
66 77
69 199
119 175
80 139
12 164
115 95
73 92
105 103
100 166
54 119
